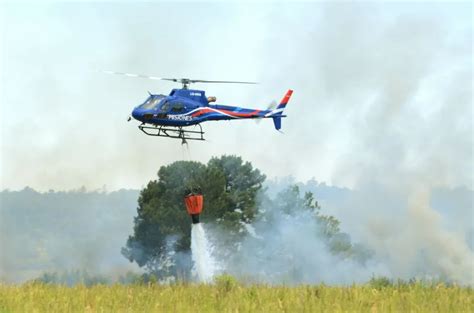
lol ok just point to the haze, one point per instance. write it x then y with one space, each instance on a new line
382 106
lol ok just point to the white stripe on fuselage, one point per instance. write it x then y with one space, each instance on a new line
220 112
202 108
273 112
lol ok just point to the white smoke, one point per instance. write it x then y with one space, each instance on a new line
402 235
289 250
407 234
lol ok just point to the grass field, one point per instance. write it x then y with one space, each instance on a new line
228 296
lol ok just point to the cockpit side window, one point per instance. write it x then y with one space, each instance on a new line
177 107
165 107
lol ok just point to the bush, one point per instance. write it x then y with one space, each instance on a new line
380 282
225 283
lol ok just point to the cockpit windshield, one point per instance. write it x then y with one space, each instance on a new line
151 102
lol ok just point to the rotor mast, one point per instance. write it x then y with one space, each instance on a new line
184 81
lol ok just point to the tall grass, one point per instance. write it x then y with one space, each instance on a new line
226 295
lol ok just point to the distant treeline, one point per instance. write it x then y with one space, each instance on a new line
62 230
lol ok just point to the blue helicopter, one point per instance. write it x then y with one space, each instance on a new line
171 115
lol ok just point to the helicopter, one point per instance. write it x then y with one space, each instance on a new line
171 115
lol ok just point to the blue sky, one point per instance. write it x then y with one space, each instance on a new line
383 91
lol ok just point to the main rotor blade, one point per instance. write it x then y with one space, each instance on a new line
184 81
220 81
136 75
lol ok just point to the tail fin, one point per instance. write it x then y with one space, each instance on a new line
278 112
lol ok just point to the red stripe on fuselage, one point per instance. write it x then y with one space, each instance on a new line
201 112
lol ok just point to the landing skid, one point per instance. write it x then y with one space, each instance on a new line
173 132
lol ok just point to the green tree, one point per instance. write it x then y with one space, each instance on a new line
230 188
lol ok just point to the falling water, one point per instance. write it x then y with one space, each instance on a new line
204 265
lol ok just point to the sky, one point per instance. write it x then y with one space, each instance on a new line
382 91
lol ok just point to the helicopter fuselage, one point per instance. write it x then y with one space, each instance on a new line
186 107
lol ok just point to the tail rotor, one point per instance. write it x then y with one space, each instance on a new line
277 114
